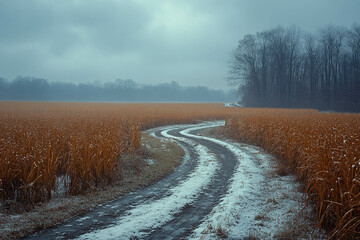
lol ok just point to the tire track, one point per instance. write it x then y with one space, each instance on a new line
185 222
109 214
219 188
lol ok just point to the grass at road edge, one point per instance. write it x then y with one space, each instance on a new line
299 221
158 158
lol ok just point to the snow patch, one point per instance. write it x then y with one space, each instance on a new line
149 161
255 204
140 220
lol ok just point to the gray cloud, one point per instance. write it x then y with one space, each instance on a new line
148 41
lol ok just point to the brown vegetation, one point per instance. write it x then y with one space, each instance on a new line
86 144
60 208
322 149
79 142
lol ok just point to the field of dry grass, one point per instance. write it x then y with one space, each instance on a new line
165 156
83 144
322 149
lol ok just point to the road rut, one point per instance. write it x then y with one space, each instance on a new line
217 190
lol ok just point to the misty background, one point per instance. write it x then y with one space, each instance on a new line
37 89
76 50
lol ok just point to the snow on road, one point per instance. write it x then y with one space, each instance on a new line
254 201
247 197
154 214
232 105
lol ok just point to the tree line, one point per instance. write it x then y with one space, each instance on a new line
289 68
38 89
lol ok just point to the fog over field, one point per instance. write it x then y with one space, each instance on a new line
179 119
157 42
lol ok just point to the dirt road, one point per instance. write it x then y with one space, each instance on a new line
221 189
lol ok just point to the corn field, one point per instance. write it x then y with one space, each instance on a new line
323 150
82 143
78 142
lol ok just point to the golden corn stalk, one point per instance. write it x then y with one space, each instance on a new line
323 150
82 142
40 142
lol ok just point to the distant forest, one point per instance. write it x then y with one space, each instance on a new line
288 68
36 89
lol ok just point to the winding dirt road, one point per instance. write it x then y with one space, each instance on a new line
220 189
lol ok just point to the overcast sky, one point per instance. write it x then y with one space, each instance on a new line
189 41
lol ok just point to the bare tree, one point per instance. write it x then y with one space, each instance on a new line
285 68
354 45
312 53
244 70
293 41
278 51
331 41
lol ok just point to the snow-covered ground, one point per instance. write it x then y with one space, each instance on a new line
154 214
222 189
255 203
233 105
